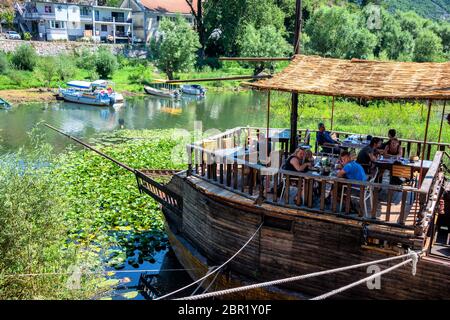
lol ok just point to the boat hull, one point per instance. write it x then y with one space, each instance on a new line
81 99
290 243
193 91
161 93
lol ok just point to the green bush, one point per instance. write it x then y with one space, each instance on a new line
85 60
4 65
27 36
24 58
105 63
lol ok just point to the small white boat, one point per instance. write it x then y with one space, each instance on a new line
162 92
193 89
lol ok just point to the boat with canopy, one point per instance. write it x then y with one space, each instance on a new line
99 92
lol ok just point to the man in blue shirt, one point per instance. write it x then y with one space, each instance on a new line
350 168
328 144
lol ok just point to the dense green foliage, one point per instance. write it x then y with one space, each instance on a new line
263 42
4 63
175 49
80 211
105 63
33 231
24 58
331 28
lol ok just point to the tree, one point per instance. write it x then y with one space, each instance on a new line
411 22
48 69
264 42
199 25
24 58
176 47
428 47
391 39
336 32
105 63
226 21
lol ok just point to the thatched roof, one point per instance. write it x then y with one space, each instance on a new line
362 79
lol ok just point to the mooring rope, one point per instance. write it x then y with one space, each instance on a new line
215 270
354 284
412 255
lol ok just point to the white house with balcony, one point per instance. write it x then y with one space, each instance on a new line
70 21
147 15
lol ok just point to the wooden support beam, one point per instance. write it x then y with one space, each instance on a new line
255 59
216 79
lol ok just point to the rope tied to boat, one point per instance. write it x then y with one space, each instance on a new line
411 255
216 269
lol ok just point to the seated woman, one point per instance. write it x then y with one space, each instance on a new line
393 148
299 161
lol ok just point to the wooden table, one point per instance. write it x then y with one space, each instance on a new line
387 163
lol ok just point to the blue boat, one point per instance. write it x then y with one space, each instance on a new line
4 104
193 89
98 93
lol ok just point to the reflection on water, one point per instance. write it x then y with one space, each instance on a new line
217 110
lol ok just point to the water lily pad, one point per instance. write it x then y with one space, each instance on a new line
109 283
130 295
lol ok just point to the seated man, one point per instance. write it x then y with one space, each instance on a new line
299 161
353 171
328 144
368 154
350 168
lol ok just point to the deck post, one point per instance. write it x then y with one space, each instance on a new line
332 114
268 124
294 100
442 121
424 144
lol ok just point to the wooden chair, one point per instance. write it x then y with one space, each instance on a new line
405 175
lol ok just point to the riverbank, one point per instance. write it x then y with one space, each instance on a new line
28 95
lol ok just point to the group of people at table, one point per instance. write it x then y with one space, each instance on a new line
302 159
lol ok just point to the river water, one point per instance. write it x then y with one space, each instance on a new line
216 111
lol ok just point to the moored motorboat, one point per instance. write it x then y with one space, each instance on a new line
94 98
99 92
193 89
162 92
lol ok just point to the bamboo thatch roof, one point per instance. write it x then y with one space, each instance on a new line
362 79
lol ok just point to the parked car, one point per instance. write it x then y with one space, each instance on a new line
13 35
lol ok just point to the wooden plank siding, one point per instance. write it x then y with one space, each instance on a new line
217 223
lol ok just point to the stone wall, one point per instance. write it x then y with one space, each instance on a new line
46 48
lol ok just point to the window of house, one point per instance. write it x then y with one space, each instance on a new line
48 9
158 18
57 24
84 11
104 28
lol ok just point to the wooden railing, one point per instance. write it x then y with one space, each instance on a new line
253 175
409 146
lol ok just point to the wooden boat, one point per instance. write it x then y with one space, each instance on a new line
162 92
224 199
4 104
193 89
